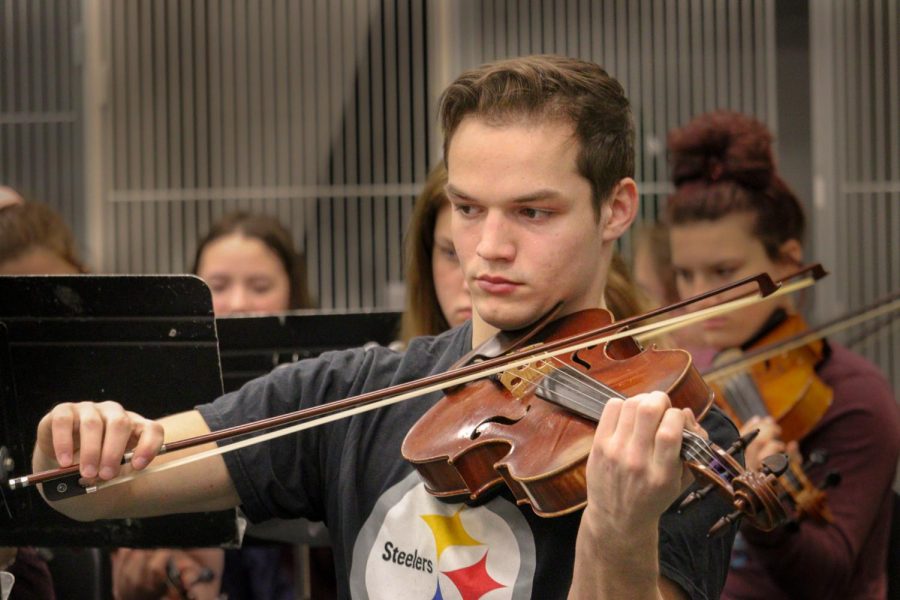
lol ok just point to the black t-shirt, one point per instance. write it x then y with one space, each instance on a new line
394 540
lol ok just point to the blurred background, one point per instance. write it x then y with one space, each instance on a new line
144 121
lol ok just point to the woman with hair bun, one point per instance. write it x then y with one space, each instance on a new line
731 216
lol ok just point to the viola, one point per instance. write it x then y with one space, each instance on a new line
801 407
483 435
783 385
748 382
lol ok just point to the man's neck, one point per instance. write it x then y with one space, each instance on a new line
481 331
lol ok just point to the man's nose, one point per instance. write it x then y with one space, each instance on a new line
496 241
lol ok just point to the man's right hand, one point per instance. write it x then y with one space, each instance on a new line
96 435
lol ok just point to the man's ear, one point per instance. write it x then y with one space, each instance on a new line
620 210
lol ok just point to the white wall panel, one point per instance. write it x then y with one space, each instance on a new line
856 163
306 110
40 103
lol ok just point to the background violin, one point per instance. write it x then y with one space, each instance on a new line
782 385
755 384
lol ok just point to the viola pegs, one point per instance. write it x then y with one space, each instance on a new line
722 524
694 496
776 464
832 479
742 442
816 457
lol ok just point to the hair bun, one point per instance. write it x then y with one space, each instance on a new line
722 146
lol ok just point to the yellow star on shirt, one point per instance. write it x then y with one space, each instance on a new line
449 531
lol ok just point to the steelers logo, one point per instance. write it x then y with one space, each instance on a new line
415 546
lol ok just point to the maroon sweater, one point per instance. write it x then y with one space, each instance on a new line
846 559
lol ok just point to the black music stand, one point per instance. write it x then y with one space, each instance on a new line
253 346
148 342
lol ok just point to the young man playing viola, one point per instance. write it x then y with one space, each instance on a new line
540 159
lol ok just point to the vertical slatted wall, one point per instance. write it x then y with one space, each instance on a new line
312 111
856 154
675 58
318 112
40 103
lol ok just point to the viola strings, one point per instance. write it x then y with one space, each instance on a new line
695 447
743 396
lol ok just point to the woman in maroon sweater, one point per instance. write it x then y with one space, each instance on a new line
731 216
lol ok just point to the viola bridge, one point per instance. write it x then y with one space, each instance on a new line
520 381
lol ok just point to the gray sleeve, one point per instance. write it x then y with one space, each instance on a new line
686 556
282 477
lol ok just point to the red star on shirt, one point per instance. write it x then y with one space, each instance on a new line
473 581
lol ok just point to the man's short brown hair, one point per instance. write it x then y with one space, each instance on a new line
552 87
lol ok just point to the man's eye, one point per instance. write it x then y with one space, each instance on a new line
724 272
534 213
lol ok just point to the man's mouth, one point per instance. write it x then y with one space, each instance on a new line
496 285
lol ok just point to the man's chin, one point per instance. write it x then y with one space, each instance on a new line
508 320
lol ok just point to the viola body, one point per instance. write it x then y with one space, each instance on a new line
505 431
787 385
